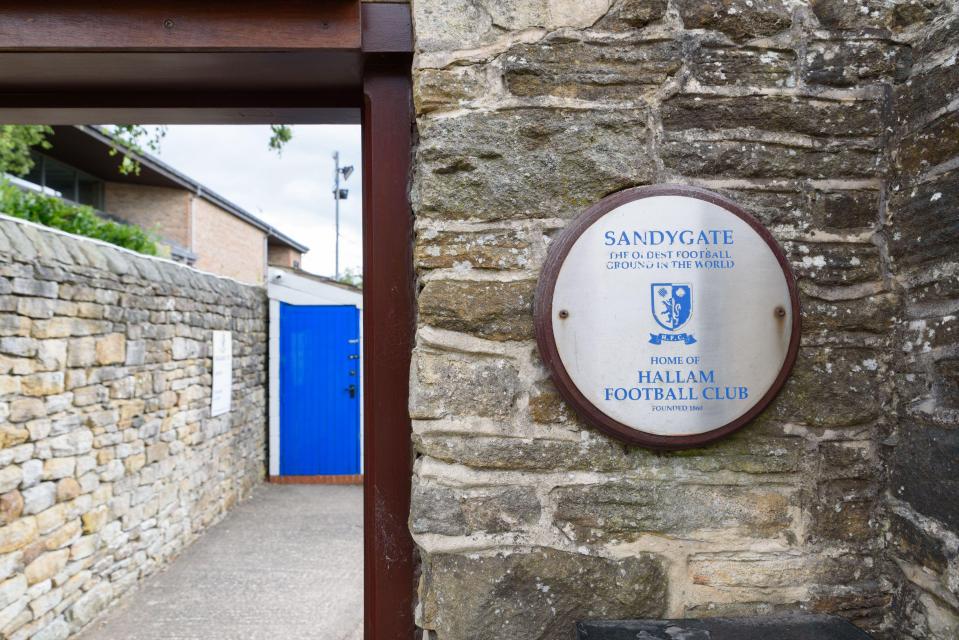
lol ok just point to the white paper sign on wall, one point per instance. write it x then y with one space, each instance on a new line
667 315
222 372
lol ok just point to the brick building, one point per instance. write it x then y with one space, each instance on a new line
200 227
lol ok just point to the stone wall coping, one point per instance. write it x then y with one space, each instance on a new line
5 218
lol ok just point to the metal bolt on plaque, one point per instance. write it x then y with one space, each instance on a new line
667 316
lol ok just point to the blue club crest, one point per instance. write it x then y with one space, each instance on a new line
671 305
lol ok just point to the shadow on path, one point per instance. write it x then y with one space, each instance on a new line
287 564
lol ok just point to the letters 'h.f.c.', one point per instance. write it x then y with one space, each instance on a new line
671 305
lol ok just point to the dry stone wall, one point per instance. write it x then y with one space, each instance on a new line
109 460
529 111
923 219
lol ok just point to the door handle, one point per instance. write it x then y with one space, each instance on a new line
352 390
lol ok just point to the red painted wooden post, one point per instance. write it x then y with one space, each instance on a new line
388 318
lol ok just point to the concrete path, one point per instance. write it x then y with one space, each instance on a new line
287 564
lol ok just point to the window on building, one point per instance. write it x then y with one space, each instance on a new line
66 181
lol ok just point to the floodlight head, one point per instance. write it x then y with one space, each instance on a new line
343 193
347 172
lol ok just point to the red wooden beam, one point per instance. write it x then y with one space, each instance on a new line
388 318
179 25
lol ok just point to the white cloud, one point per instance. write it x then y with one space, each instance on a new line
293 191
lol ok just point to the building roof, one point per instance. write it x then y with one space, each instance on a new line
87 148
317 278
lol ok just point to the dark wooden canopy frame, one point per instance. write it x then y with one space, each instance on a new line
244 62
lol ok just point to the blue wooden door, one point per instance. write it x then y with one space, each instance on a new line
319 390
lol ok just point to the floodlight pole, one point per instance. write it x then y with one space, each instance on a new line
336 200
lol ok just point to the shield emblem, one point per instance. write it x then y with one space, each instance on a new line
672 304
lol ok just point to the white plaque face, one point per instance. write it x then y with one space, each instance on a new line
222 372
667 315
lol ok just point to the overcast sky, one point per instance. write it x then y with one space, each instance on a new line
292 192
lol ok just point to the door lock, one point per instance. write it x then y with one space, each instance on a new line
352 390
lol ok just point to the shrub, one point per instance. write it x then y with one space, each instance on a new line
72 218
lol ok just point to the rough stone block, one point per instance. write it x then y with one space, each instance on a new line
832 387
495 310
455 384
11 506
537 594
184 348
533 454
37 288
873 314
747 451
439 89
111 349
25 409
874 14
497 249
547 406
845 210
449 25
39 498
86 608
844 512
64 536
43 384
18 534
72 444
621 511
68 489
833 264
81 352
910 542
722 65
850 62
39 308
18 346
94 520
11 590
776 570
451 512
625 15
929 146
558 162
739 19
614 69
808 116
10 477
731 159
925 470
46 566
925 221
927 92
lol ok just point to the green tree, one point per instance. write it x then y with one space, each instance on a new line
352 277
72 218
16 140
130 140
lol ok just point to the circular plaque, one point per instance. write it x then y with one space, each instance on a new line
667 315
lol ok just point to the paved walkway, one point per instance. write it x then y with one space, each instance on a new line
287 564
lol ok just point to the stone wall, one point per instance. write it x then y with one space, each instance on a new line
923 221
527 112
109 460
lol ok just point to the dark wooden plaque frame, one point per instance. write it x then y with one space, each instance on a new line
543 319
